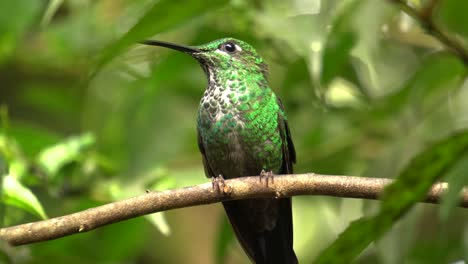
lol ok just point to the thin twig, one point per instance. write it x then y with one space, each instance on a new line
240 188
425 18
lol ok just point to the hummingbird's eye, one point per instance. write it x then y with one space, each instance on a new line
229 47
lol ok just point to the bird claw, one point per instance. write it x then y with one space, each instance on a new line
219 186
268 176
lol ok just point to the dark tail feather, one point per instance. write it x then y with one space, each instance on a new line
264 229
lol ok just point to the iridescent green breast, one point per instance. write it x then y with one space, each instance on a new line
238 125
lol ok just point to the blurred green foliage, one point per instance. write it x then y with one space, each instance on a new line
88 117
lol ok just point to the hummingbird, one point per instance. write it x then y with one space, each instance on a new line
243 131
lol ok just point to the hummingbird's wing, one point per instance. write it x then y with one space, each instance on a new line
289 152
280 239
206 166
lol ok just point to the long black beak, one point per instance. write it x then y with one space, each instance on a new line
186 49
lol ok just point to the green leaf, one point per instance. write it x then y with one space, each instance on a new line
18 168
163 182
52 159
452 14
31 138
163 15
336 54
17 164
457 178
159 219
224 239
339 44
409 188
17 195
52 8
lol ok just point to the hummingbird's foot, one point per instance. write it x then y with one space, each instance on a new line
219 185
268 176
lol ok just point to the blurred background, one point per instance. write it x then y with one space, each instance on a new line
89 117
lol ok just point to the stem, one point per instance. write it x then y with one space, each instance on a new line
239 188
425 19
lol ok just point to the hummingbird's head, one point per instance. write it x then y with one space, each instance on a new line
230 54
223 55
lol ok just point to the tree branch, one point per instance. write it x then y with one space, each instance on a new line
425 19
240 188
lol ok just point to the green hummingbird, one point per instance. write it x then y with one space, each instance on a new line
243 130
